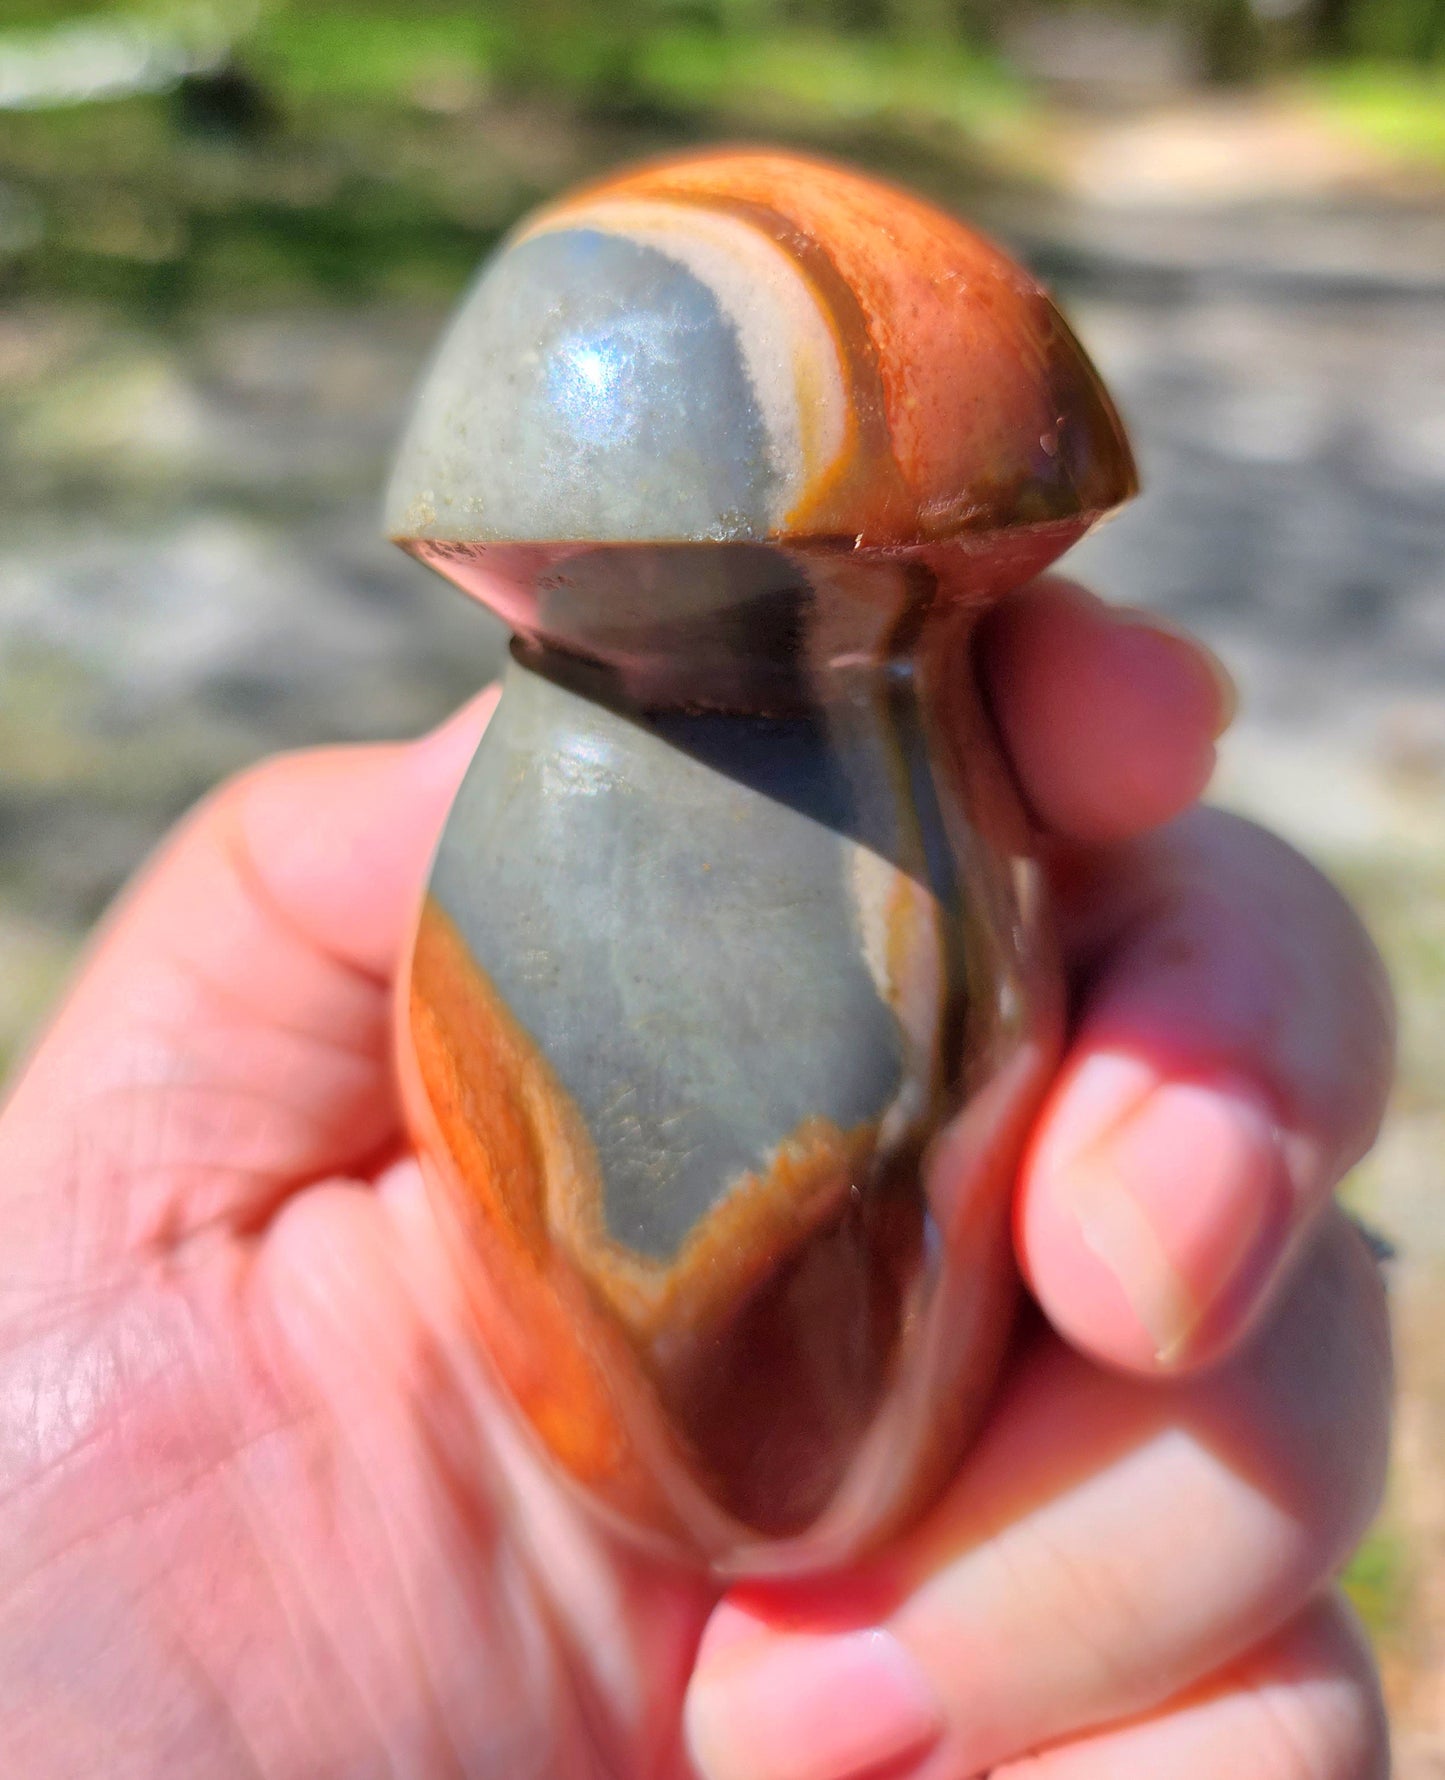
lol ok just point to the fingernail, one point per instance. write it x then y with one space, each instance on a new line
1226 689
1179 1199
827 1707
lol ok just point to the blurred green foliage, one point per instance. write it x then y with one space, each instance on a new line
1400 108
599 42
594 39
1378 1582
350 148
375 147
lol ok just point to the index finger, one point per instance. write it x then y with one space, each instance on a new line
1109 715
229 1034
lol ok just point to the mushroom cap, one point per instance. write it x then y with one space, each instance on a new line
759 348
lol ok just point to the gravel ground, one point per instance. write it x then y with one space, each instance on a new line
190 576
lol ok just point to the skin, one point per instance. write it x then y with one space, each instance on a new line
264 1515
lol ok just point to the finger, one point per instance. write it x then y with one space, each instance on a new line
1231 1061
1106 1545
229 1035
1110 716
1306 1706
501 1566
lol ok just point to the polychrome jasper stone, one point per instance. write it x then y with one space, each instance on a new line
731 997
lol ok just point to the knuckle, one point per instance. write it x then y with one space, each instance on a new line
1315 1388
1319 1710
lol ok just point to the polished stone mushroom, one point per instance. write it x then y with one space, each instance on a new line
730 918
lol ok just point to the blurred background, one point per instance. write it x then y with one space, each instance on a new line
229 232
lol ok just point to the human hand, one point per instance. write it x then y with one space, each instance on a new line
265 1517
